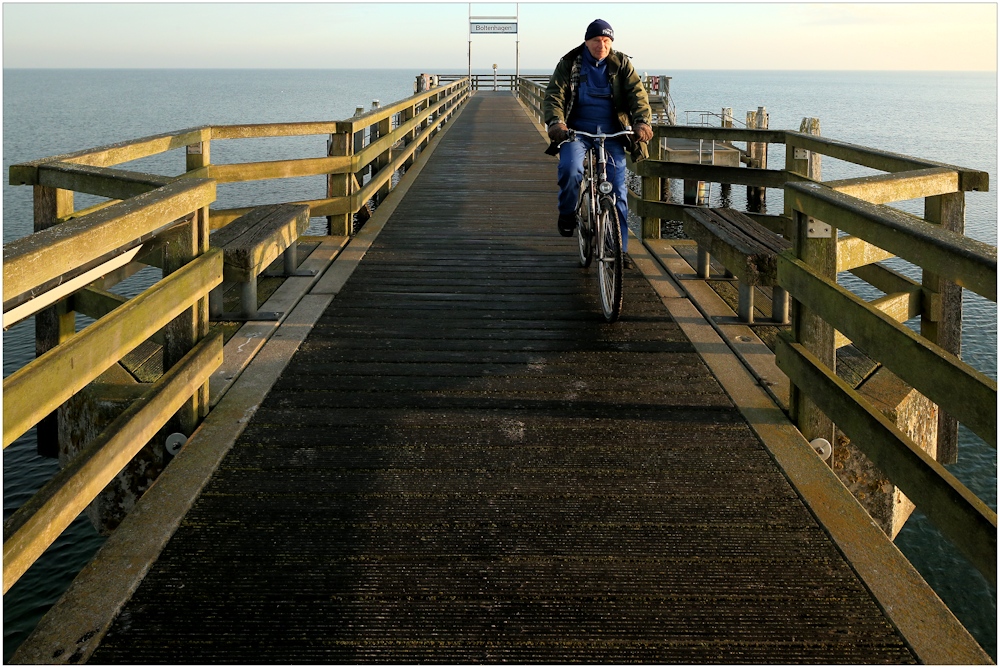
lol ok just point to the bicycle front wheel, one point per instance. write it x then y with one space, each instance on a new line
609 255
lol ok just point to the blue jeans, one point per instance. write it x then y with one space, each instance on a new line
570 175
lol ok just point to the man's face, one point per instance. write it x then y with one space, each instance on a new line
599 47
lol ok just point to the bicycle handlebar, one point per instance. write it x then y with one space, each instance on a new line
601 135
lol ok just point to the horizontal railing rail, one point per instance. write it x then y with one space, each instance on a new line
171 218
358 145
493 82
74 256
826 316
52 256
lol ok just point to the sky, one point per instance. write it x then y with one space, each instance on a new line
434 37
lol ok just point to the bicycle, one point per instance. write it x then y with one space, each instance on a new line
597 219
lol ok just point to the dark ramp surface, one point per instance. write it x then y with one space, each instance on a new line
464 464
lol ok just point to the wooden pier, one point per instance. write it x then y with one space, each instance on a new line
454 459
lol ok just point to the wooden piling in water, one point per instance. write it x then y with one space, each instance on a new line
948 211
56 323
757 159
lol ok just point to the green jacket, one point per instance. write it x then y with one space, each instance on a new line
628 93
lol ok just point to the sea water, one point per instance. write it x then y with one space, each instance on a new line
946 117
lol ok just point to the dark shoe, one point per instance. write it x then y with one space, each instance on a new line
627 263
567 223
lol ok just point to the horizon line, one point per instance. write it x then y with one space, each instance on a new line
499 70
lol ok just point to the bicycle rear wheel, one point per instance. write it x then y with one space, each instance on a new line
609 256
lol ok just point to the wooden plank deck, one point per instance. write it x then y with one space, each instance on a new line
464 464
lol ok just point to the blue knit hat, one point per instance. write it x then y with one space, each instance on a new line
599 28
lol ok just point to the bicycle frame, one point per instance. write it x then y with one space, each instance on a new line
596 212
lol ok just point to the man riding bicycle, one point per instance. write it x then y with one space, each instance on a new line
595 89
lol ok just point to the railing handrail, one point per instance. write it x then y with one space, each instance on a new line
56 254
878 232
62 260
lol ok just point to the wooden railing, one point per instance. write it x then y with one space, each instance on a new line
170 222
74 256
825 316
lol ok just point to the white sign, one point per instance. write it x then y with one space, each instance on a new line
493 28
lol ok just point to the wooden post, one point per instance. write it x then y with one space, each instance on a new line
56 323
384 128
339 185
198 156
184 244
409 114
947 211
651 190
815 243
757 154
725 189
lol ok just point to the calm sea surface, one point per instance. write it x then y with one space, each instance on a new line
948 117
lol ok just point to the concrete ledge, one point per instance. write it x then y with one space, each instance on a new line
252 336
73 628
742 339
933 632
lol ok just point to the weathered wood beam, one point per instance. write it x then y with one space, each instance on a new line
884 188
454 91
947 211
891 282
262 130
384 143
45 256
900 306
763 178
278 169
283 169
46 515
958 513
934 372
380 178
968 179
45 383
17 310
969 263
80 213
102 181
853 252
50 206
112 154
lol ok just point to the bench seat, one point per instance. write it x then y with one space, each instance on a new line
251 243
748 250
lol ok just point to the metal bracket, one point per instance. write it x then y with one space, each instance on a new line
801 154
817 229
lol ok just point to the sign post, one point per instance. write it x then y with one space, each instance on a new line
495 25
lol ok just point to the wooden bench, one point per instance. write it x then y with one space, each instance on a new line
251 243
747 250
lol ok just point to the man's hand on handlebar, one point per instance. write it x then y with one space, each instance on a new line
643 133
558 132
